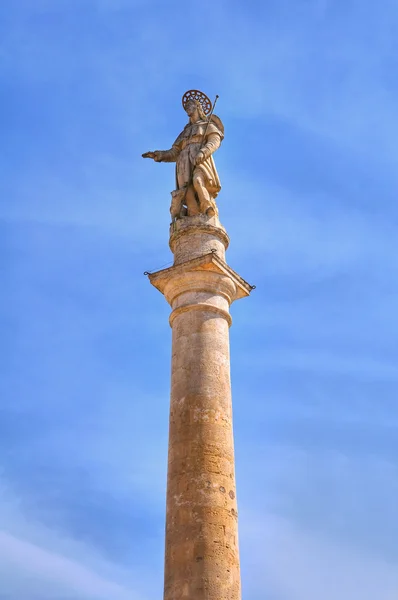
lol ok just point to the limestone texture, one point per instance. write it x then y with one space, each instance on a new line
197 180
202 553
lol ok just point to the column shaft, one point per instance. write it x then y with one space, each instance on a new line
202 556
202 559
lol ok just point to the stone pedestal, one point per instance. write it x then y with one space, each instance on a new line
202 556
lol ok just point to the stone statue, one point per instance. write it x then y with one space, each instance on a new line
197 180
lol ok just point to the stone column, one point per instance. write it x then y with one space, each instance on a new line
202 555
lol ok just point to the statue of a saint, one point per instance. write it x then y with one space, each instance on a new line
197 180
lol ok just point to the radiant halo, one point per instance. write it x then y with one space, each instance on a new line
200 97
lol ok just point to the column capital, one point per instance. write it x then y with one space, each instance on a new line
207 273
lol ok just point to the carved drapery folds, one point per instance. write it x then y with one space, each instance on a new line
197 180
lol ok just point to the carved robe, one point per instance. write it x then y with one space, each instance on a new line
186 147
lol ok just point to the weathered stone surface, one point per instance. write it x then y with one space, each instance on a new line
190 238
202 556
196 175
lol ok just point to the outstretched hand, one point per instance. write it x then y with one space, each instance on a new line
155 155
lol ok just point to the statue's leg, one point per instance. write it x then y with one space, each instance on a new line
176 204
191 202
206 203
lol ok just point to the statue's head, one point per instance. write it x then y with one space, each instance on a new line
192 106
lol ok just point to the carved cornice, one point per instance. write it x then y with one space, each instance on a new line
207 263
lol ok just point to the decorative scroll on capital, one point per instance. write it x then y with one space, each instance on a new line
197 181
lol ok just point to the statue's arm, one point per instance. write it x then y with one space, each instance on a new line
163 155
168 155
212 144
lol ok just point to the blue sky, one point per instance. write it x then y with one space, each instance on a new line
308 96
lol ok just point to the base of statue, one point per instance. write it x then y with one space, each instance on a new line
191 237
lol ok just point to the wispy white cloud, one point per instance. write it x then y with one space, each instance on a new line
37 562
299 233
28 570
324 495
321 65
283 561
307 361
